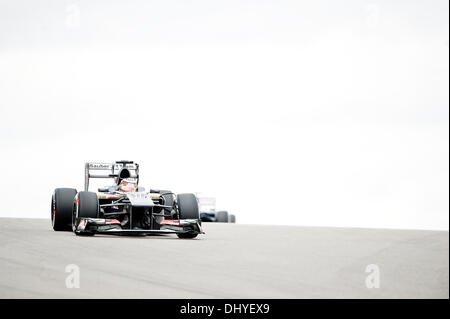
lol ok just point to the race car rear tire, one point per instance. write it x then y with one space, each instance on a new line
222 216
188 206
61 208
232 219
85 205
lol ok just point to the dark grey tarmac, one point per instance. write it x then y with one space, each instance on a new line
230 261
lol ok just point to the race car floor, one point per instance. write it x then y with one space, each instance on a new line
230 261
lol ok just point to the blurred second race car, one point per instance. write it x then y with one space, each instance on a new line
208 213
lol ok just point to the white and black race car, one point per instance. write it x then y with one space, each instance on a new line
124 207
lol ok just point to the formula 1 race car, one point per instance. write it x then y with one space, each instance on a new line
208 211
218 217
123 208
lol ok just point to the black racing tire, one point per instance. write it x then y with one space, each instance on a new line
168 200
61 208
232 219
222 216
188 206
85 205
187 235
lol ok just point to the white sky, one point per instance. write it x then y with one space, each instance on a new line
310 113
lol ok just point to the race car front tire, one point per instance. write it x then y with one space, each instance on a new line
85 205
188 206
187 235
61 208
222 216
188 209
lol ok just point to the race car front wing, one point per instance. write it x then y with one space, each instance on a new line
91 226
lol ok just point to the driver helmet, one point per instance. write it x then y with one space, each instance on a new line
128 185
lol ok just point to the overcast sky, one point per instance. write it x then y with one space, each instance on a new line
331 113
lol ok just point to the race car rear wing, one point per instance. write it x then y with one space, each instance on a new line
108 170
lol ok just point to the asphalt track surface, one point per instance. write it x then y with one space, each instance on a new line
230 261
